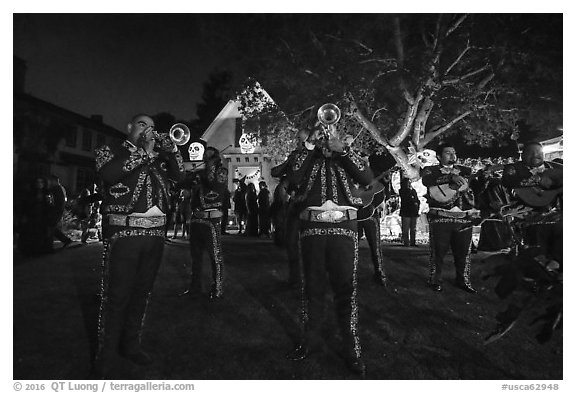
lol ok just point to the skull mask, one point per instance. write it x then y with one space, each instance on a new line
246 145
196 151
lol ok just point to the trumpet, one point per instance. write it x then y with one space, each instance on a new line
179 134
329 114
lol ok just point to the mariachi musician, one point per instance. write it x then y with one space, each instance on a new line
135 178
537 184
208 198
450 217
369 215
328 236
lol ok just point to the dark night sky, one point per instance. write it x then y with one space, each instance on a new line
115 64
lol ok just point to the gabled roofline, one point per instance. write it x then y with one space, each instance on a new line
218 119
78 117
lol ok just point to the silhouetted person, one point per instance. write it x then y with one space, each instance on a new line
409 211
36 230
264 220
226 205
59 194
252 211
240 209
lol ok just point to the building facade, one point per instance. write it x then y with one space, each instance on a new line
48 139
244 159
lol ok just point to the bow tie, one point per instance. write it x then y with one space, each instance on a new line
447 171
539 169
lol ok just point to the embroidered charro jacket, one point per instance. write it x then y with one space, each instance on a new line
134 181
211 192
519 175
319 178
438 175
282 169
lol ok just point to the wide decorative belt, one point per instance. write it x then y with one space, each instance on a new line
207 214
135 221
435 212
331 216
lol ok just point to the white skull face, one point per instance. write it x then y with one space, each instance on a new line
427 157
196 151
246 145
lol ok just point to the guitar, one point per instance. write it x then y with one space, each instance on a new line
365 212
444 193
537 196
372 197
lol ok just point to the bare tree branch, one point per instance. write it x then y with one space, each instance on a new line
408 121
378 110
382 74
431 135
460 56
437 31
456 24
400 59
468 75
485 81
362 45
385 61
299 113
371 127
421 119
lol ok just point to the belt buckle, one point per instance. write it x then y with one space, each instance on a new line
138 222
331 216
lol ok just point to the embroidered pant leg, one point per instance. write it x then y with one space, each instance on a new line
372 231
121 265
292 248
342 267
151 252
313 245
200 235
440 233
461 243
215 254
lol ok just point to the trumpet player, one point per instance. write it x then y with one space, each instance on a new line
328 226
135 176
208 197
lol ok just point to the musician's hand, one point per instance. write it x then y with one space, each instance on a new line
458 180
334 144
546 182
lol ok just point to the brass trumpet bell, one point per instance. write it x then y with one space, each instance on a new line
329 114
179 134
